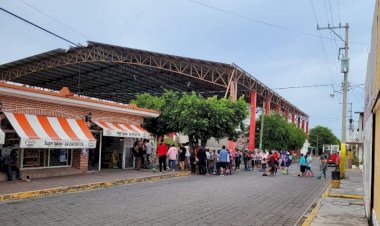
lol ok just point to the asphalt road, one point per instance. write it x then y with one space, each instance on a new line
246 198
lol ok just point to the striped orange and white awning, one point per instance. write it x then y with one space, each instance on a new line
122 130
38 131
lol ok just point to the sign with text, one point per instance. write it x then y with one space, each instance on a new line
69 144
116 133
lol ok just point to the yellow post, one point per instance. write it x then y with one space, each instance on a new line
342 163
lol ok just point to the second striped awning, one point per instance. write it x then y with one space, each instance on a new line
112 129
39 131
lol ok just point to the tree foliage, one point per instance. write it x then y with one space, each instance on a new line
198 117
278 134
324 136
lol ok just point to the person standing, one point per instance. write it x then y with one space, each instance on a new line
323 167
223 157
202 157
149 151
162 149
138 154
309 159
302 163
182 157
193 162
172 155
187 155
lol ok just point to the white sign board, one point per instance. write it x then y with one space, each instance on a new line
69 144
115 133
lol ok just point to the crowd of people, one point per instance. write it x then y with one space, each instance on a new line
221 162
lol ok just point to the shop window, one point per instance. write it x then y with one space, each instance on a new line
35 158
46 157
60 157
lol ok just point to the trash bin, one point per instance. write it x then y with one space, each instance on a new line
335 175
335 179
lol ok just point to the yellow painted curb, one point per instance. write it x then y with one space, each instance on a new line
314 212
312 215
84 187
344 196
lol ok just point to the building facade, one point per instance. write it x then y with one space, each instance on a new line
59 133
371 122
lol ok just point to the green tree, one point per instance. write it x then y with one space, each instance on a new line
198 117
323 135
279 134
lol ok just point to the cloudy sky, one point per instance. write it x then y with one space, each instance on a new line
274 40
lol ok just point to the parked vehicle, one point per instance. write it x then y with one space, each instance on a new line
332 153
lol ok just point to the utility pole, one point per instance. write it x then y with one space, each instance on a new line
344 70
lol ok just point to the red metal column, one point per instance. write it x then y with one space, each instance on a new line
293 118
267 106
278 109
252 127
303 124
287 115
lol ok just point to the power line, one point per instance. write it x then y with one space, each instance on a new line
54 19
322 43
39 27
263 22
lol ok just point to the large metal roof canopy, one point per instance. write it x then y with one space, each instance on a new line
118 73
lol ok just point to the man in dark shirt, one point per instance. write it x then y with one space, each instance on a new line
202 156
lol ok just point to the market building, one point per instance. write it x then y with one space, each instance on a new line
59 133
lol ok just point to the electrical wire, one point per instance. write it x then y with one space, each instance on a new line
264 23
54 19
39 27
329 70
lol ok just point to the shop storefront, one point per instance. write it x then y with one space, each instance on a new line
48 141
57 133
116 141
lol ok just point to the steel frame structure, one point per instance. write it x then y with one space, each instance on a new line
117 73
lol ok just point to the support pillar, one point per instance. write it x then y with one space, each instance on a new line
293 118
252 127
299 122
267 106
307 130
278 109
287 115
303 124
233 96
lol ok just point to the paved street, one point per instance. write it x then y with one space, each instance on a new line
246 198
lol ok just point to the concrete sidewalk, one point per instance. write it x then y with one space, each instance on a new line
54 185
342 206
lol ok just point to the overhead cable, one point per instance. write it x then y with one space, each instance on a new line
39 27
265 23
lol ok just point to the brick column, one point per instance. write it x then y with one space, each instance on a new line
252 127
80 160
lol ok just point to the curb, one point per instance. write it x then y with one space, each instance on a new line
314 211
85 187
343 196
